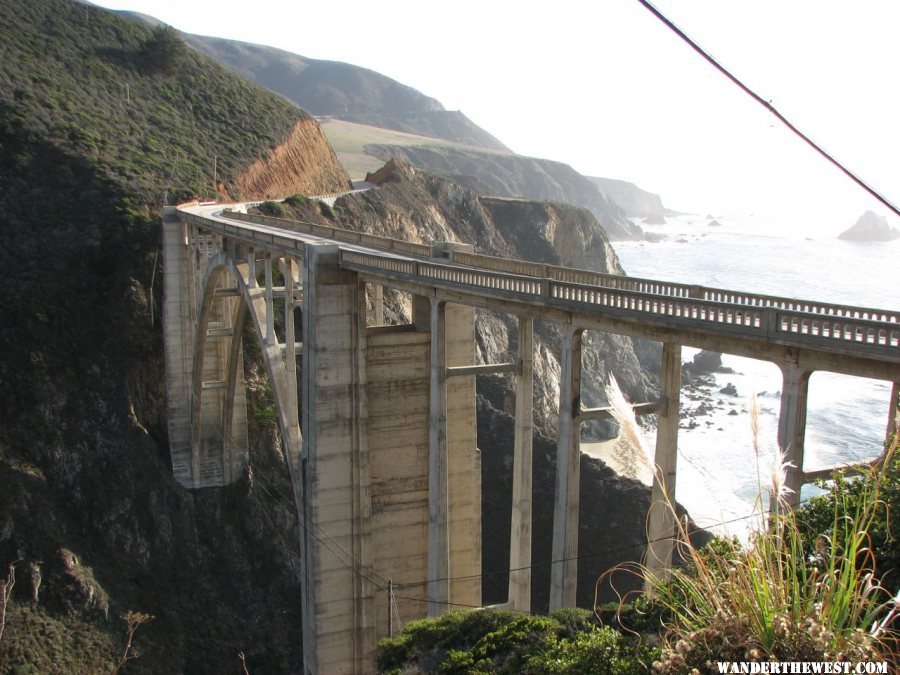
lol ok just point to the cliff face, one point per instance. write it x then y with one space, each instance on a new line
506 175
633 200
304 162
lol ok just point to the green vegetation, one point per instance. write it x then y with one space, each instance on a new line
132 101
39 642
274 209
499 641
297 200
846 496
163 52
102 120
795 592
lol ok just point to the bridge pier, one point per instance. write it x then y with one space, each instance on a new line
564 563
661 519
203 316
792 426
338 589
520 529
438 477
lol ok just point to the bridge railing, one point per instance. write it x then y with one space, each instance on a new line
371 240
670 289
686 313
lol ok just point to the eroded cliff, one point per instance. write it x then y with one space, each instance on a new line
508 175
303 162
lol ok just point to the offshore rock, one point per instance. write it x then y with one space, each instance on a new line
870 227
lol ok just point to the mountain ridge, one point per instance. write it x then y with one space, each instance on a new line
342 91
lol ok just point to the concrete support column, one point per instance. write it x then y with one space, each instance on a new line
792 425
179 330
564 566
251 268
379 305
661 519
289 270
893 412
438 477
520 530
338 626
270 302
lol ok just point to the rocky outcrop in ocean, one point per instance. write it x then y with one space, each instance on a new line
870 227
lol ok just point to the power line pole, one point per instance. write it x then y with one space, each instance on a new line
390 594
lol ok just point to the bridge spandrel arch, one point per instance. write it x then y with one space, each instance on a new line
230 297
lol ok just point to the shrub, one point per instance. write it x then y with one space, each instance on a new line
844 494
598 650
297 200
164 51
497 641
769 601
274 209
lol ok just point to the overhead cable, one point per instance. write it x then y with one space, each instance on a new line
768 106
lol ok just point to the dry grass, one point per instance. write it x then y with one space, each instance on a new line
766 599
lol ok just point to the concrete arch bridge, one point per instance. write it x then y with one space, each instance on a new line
379 429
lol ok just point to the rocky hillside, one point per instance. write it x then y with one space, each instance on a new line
515 176
101 120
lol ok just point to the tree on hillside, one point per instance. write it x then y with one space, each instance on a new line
164 51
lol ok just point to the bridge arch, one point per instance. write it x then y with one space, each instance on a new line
230 297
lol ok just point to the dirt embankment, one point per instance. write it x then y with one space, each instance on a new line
303 163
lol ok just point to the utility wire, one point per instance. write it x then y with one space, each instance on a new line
768 106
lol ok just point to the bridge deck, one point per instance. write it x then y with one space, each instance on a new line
840 338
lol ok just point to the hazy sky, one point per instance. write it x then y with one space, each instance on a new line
605 87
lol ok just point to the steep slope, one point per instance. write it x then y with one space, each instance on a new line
98 126
372 101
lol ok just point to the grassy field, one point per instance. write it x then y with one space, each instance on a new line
349 140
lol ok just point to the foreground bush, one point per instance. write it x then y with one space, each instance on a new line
497 641
774 601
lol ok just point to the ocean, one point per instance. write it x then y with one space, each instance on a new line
718 475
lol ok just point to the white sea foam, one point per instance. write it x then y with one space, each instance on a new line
717 477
